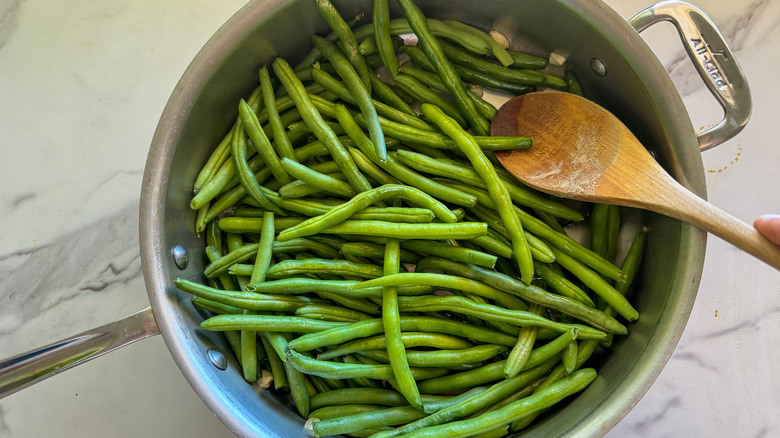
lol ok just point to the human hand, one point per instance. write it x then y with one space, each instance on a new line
769 226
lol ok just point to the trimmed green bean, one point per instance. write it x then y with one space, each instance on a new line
409 339
496 49
490 312
597 284
384 41
405 382
522 350
321 130
244 172
422 93
361 91
433 231
261 142
290 268
495 186
433 50
541 399
347 38
527 292
448 282
362 329
264 249
339 214
432 80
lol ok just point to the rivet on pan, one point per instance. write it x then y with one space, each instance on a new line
180 257
217 358
598 67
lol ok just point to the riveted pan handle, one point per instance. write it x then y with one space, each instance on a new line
25 369
713 60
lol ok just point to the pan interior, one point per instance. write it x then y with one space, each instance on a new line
204 106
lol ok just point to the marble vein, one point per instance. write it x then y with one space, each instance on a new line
90 259
9 19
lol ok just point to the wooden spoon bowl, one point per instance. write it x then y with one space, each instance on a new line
581 151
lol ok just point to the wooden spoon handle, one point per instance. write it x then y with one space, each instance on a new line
714 220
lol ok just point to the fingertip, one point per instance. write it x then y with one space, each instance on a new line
769 226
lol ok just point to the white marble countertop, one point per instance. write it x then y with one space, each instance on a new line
82 85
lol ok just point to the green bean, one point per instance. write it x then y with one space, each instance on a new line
432 80
597 284
290 268
523 77
241 225
438 28
367 420
489 397
373 396
245 174
338 287
281 140
350 302
612 231
246 300
468 74
433 50
382 109
347 38
298 389
376 251
267 323
444 358
409 339
561 241
405 382
490 312
433 231
496 49
555 82
361 329
336 370
422 93
386 94
522 350
541 399
327 412
361 91
320 180
320 128
278 369
261 142
630 267
561 284
339 214
524 60
457 253
448 282
214 307
384 42
571 83
469 176
370 168
495 186
527 292
335 313
221 153
231 197
264 249
598 229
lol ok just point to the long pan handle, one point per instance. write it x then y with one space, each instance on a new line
23 370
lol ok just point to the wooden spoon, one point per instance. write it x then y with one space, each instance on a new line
581 151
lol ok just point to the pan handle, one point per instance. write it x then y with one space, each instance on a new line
27 368
713 60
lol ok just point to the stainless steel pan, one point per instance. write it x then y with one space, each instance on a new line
614 65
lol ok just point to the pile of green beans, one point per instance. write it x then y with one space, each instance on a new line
367 251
